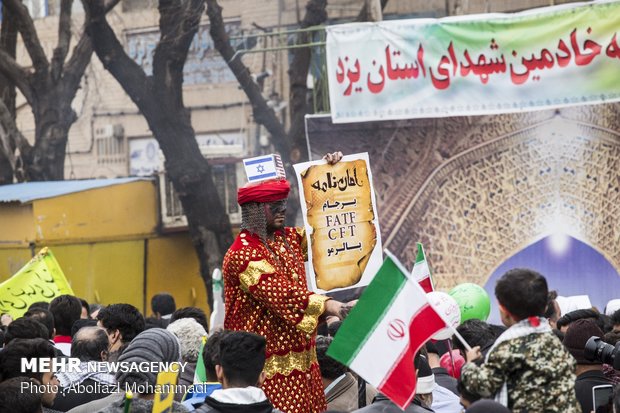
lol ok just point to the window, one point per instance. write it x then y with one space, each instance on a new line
225 177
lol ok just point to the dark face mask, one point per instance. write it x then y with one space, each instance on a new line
278 207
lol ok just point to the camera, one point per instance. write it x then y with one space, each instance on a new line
597 350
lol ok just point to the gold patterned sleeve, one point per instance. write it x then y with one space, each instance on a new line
290 301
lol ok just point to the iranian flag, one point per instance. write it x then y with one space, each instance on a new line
421 271
380 337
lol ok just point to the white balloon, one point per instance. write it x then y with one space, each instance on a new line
448 309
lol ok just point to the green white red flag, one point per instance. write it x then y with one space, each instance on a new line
421 271
388 326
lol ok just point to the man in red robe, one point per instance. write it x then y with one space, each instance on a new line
266 293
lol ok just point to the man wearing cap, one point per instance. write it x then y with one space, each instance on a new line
589 372
266 293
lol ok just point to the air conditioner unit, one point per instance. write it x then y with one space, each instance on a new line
110 131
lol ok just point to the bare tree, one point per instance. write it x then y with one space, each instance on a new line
316 14
49 88
8 43
291 146
160 99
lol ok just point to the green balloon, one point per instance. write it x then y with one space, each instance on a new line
473 301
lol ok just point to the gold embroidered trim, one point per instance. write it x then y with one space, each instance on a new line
286 364
253 272
304 241
316 307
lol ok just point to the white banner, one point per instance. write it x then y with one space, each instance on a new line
475 65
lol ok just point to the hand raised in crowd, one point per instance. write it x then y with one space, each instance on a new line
333 158
338 309
6 319
474 354
346 309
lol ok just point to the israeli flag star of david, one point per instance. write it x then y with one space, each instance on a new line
264 167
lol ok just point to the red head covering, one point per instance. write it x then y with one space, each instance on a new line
266 191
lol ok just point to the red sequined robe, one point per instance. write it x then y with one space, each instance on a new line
268 295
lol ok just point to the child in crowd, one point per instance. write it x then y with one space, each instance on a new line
527 369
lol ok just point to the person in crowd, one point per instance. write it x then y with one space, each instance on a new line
154 322
5 319
66 309
528 368
266 293
17 395
81 323
242 359
122 322
452 361
564 321
612 337
44 305
211 357
191 312
94 310
190 335
163 306
465 397
85 309
423 398
615 320
553 311
153 346
589 373
476 333
487 406
90 345
25 327
44 317
339 384
442 378
35 348
616 399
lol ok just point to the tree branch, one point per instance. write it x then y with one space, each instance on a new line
316 14
263 114
111 52
178 24
26 28
8 43
17 75
64 39
81 57
11 138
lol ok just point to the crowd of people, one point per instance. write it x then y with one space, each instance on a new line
272 354
531 364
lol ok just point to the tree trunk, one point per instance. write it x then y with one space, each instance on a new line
160 99
46 161
8 43
191 176
316 14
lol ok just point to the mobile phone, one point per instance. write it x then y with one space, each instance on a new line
602 398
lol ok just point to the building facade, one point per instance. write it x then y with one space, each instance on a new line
112 139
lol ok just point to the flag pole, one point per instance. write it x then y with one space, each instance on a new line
460 337
404 271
